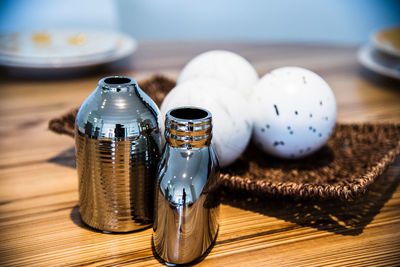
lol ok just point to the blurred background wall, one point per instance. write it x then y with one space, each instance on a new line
329 21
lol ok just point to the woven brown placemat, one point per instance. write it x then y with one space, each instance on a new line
354 156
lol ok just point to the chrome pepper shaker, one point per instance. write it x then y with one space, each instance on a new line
186 202
117 151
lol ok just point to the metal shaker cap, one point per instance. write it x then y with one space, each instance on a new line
118 109
188 127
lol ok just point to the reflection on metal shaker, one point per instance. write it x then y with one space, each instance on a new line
186 202
117 150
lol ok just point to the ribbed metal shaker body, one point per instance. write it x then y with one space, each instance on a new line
186 200
117 141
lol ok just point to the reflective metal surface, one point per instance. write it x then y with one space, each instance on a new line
187 206
117 150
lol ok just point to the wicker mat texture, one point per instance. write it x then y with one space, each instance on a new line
354 156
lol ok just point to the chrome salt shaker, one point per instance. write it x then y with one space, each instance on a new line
117 150
186 202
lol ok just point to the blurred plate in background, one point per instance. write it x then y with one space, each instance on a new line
388 40
63 48
379 62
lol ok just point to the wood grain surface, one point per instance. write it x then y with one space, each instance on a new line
39 219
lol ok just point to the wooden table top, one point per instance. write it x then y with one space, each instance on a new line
39 219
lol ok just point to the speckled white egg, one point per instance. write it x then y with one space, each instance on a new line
231 117
294 112
234 71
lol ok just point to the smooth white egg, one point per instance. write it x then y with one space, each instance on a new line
231 117
294 112
234 71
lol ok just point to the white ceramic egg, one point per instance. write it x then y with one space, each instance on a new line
294 112
231 69
231 117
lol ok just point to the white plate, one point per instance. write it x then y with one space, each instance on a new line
379 62
64 48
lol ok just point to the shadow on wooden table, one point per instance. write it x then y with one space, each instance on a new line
383 82
340 217
65 158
